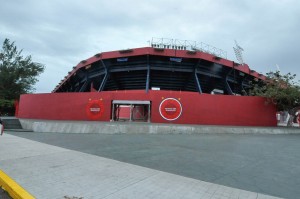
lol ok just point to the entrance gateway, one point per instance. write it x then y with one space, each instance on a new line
130 110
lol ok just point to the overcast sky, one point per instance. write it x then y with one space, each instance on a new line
61 33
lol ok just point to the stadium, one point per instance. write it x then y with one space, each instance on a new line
171 81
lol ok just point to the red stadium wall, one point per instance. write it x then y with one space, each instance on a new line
196 108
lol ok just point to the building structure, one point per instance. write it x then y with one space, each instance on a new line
169 82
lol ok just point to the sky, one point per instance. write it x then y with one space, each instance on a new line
61 33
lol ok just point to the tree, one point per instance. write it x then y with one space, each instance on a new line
281 90
18 74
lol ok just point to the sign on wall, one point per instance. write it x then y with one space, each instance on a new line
94 109
170 109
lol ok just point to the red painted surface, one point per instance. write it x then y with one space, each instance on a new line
170 109
196 108
138 112
124 112
94 109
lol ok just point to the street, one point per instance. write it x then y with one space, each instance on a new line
267 164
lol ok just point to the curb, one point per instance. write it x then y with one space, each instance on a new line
13 188
65 126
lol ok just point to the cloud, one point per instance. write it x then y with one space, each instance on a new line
62 33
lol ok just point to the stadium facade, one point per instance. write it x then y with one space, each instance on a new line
159 84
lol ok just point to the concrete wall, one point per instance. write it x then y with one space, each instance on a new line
204 109
143 128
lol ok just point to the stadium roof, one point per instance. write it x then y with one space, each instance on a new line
166 69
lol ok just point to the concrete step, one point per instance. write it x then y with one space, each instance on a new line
11 123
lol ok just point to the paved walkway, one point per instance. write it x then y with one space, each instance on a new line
52 172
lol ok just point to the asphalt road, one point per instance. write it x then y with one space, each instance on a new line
268 164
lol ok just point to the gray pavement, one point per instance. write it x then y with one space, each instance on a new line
266 164
52 172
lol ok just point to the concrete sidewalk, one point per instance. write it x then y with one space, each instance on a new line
51 172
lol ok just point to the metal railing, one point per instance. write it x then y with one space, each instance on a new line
178 44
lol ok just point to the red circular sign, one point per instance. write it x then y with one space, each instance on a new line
94 109
170 109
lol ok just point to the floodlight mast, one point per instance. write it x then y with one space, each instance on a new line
238 51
